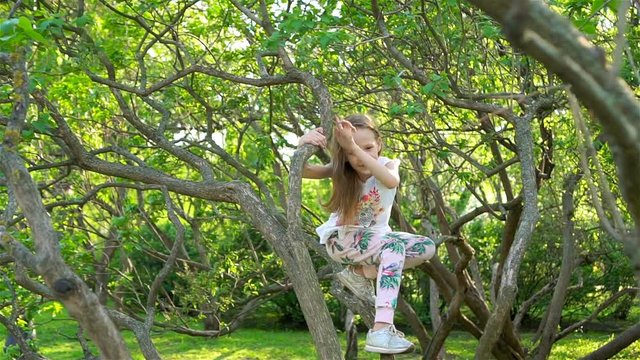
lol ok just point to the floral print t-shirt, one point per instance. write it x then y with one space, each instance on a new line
374 208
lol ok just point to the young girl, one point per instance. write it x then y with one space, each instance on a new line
357 232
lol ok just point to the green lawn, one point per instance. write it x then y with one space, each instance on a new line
56 341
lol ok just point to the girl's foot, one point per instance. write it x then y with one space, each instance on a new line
387 340
359 285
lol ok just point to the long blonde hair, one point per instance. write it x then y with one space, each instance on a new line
346 184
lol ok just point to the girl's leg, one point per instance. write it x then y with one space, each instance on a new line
388 251
401 251
392 257
369 271
419 249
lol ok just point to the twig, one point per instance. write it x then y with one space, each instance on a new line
14 8
612 299
586 151
621 41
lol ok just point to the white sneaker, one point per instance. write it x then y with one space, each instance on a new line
387 340
359 285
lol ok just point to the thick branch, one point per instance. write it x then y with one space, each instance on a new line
554 310
530 215
551 39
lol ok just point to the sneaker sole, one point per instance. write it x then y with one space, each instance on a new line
355 291
381 350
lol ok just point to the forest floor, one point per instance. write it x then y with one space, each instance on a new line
56 340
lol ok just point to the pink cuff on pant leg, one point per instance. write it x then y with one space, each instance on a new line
384 315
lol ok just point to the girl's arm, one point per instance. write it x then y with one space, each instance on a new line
386 174
310 171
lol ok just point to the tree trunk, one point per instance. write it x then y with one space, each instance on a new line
434 310
445 328
71 290
352 336
508 235
17 337
101 264
554 311
299 266
307 288
68 288
210 321
143 336
530 215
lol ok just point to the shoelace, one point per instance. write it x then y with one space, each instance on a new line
392 329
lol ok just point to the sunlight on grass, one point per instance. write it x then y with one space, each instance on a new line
56 340
584 343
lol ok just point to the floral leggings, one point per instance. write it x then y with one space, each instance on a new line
383 255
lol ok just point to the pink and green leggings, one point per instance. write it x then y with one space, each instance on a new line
383 256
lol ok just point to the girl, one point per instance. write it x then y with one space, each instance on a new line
357 232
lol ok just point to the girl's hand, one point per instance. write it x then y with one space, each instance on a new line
314 137
343 131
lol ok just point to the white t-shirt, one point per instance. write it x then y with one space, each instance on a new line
374 208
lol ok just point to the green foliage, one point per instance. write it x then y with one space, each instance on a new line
438 86
74 60
17 32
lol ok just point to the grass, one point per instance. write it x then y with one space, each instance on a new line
56 340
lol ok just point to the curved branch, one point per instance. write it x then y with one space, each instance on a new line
530 216
458 299
194 69
610 301
68 287
469 216
551 39
617 344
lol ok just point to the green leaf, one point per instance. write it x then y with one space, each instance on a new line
27 134
51 22
490 31
329 20
588 26
44 123
327 38
8 37
613 5
8 26
276 40
54 308
392 81
396 109
443 154
438 86
119 221
25 25
596 5
414 108
83 20
428 89
464 175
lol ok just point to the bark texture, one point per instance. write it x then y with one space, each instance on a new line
508 285
551 39
67 287
554 311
